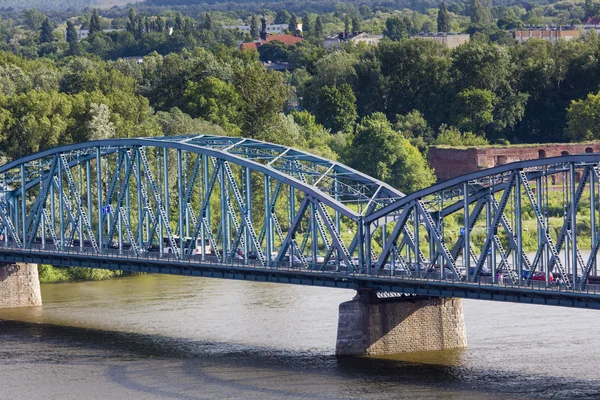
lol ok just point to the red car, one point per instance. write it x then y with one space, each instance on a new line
541 276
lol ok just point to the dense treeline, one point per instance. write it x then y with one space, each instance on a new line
390 101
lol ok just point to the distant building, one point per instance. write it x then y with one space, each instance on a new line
271 29
447 39
84 33
264 38
355 37
550 34
449 162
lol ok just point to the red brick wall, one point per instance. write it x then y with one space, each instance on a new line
450 162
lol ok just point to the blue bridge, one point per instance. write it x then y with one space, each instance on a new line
238 208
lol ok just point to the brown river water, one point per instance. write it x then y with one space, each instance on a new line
168 337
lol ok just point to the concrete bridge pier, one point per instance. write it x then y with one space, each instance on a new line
369 326
19 285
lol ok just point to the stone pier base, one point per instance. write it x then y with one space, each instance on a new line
19 285
370 326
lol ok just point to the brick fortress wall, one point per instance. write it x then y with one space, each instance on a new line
449 162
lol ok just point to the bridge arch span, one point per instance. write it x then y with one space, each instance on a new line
238 197
479 225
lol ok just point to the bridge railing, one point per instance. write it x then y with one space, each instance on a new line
169 261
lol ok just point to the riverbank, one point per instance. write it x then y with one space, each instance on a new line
51 274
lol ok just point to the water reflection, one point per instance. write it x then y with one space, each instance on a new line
175 337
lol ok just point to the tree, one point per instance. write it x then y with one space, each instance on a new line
396 29
71 33
474 109
254 27
47 32
383 153
590 8
95 26
480 14
346 23
213 100
282 17
275 51
356 27
33 19
450 136
443 19
131 22
306 25
414 127
262 97
293 27
336 108
175 122
583 118
99 126
417 77
318 28
208 23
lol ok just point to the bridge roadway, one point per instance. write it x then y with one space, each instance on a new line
532 292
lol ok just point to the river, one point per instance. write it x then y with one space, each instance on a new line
169 337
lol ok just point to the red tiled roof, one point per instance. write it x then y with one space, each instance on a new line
249 46
287 39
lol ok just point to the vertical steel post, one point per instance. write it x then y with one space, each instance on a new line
180 202
467 241
205 214
518 229
593 214
88 180
141 206
223 209
368 254
337 221
573 212
291 218
248 199
360 245
161 239
314 233
416 224
166 180
268 226
99 190
490 231
61 204
539 198
23 205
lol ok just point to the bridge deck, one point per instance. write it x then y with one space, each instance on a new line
531 293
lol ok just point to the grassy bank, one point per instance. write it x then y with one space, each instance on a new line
51 274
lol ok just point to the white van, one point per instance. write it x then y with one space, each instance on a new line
196 250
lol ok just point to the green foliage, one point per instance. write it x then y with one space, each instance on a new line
337 108
450 136
213 100
396 28
51 274
47 32
262 95
474 108
381 152
443 19
583 118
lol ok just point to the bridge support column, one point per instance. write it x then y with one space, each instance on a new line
370 326
19 285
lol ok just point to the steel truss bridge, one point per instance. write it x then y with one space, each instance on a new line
244 209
